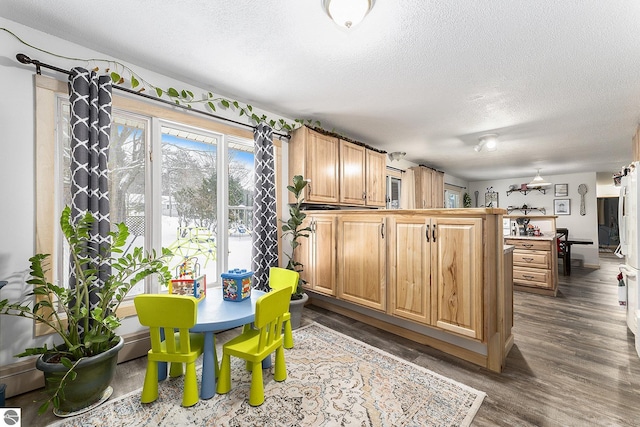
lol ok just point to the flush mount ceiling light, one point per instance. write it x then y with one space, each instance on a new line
489 140
397 155
538 182
347 13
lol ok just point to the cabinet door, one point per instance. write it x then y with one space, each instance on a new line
303 255
376 167
410 269
324 255
459 274
362 260
423 182
352 168
322 168
317 254
437 189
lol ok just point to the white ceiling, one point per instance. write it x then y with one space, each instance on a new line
559 81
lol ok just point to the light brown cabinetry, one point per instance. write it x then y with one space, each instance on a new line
315 156
317 253
434 276
410 269
362 173
352 174
436 272
339 172
458 274
376 167
534 265
429 187
362 269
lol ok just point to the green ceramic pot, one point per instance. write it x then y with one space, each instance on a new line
94 376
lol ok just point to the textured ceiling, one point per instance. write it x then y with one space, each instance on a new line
559 81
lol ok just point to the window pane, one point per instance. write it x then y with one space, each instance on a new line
241 193
126 179
189 201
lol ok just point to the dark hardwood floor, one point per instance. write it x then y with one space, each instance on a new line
573 362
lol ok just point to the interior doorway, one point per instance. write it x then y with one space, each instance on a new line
608 231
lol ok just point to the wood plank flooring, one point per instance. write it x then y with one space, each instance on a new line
573 362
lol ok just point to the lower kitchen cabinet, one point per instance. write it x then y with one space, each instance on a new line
362 268
534 265
458 274
432 275
410 269
317 253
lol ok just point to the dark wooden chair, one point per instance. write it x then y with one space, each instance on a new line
562 235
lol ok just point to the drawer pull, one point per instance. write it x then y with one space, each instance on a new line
527 245
527 259
526 276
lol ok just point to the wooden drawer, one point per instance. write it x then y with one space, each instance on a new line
533 259
534 245
532 277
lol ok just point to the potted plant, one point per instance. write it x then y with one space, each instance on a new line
78 371
293 228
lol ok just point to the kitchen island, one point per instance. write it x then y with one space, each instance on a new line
436 276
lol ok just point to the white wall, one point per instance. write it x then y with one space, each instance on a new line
17 172
579 226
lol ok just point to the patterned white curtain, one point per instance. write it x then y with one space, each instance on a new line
265 221
90 98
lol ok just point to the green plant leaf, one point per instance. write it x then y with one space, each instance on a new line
134 82
173 93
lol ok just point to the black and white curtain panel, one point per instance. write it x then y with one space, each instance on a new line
265 221
90 98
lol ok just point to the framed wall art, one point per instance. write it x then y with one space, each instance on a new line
491 199
562 206
561 190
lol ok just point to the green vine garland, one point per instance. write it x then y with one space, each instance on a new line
124 76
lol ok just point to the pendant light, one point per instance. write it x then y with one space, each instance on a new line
347 13
538 182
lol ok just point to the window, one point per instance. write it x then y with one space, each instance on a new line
452 197
195 198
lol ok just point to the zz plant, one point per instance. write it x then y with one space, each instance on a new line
84 331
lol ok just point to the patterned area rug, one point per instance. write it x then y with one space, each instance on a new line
333 380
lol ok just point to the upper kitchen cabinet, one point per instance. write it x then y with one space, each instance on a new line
340 172
429 187
362 175
352 174
376 167
315 156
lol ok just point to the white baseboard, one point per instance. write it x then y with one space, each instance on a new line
22 377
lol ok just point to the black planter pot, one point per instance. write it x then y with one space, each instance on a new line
94 374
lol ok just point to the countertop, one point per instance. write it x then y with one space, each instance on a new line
508 248
546 238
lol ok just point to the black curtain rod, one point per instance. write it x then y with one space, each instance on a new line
24 59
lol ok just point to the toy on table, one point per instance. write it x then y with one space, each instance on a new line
188 280
236 284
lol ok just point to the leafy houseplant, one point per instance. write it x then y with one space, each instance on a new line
84 332
293 227
466 200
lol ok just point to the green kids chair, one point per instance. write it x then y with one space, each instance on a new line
255 345
283 278
164 314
